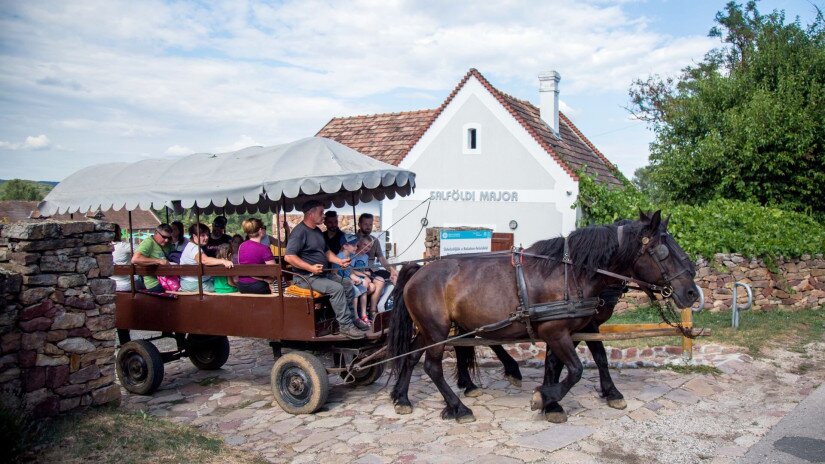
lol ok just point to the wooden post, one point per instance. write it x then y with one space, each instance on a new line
687 343
200 255
132 250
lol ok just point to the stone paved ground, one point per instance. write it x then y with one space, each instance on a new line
670 417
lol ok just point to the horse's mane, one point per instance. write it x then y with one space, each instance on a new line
590 248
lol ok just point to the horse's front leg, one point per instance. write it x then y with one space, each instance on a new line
553 412
433 367
614 397
562 347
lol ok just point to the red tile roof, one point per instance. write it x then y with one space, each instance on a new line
15 211
389 137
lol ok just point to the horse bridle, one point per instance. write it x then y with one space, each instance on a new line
658 254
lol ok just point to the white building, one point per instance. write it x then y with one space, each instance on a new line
484 158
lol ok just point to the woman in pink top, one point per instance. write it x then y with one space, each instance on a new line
253 251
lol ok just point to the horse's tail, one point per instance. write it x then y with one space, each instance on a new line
401 333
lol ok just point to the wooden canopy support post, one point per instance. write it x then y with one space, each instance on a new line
354 218
167 213
279 283
200 255
132 251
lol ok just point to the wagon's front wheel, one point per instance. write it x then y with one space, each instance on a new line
299 383
208 352
139 367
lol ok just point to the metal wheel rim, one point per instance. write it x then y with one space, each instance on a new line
134 368
205 355
295 386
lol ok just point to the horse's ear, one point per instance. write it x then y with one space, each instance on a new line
666 221
655 220
642 215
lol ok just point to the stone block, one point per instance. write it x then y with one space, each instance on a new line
58 263
103 226
98 237
52 350
9 374
11 281
69 321
40 280
57 376
31 230
34 379
99 382
102 248
58 297
9 316
55 336
27 358
44 360
71 280
67 404
80 332
99 323
81 302
102 286
105 264
44 245
32 341
10 342
34 295
76 227
71 390
106 395
84 263
93 273
105 300
36 325
84 375
104 335
25 259
76 345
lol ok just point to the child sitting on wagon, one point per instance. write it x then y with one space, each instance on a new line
360 283
225 284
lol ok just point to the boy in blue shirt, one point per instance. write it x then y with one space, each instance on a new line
360 282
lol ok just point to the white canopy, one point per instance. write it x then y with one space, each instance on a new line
255 179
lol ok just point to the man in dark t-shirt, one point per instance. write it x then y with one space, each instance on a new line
334 236
308 253
217 237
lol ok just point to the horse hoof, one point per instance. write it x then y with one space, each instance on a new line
536 401
617 404
466 419
474 393
513 381
556 417
403 409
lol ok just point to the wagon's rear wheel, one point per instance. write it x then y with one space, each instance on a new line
208 352
360 378
139 367
299 383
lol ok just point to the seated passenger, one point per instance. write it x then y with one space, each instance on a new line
178 242
225 284
361 284
334 236
198 236
217 238
236 245
121 254
153 251
253 251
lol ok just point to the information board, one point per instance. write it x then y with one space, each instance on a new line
454 242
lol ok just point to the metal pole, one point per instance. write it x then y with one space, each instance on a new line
132 251
200 254
354 218
167 213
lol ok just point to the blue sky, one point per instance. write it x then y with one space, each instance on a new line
98 81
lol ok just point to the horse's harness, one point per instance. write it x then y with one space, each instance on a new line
568 308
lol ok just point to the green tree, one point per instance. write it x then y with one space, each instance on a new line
17 189
748 122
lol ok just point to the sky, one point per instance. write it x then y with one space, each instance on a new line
87 82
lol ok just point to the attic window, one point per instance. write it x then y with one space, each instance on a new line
471 136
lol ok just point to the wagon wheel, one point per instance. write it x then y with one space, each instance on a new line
299 383
358 378
208 352
139 367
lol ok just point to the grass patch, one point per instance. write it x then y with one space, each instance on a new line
691 369
111 435
790 330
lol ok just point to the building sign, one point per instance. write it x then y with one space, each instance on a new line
474 195
455 242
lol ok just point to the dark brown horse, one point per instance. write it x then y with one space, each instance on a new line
472 292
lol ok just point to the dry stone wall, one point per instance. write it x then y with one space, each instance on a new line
57 322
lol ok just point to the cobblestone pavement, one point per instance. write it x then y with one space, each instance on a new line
670 417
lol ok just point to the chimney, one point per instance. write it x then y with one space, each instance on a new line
549 102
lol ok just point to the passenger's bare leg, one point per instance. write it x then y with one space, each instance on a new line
375 296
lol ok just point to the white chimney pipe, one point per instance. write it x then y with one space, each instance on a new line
549 102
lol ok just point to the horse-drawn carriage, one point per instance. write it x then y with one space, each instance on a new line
503 298
255 180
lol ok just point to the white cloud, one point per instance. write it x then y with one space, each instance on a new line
39 142
178 150
244 141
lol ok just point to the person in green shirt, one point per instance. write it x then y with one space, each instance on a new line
224 284
153 251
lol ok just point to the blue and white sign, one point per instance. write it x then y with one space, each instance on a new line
454 242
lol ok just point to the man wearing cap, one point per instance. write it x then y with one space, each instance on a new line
374 252
308 252
217 238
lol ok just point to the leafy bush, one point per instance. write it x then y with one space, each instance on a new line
718 226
